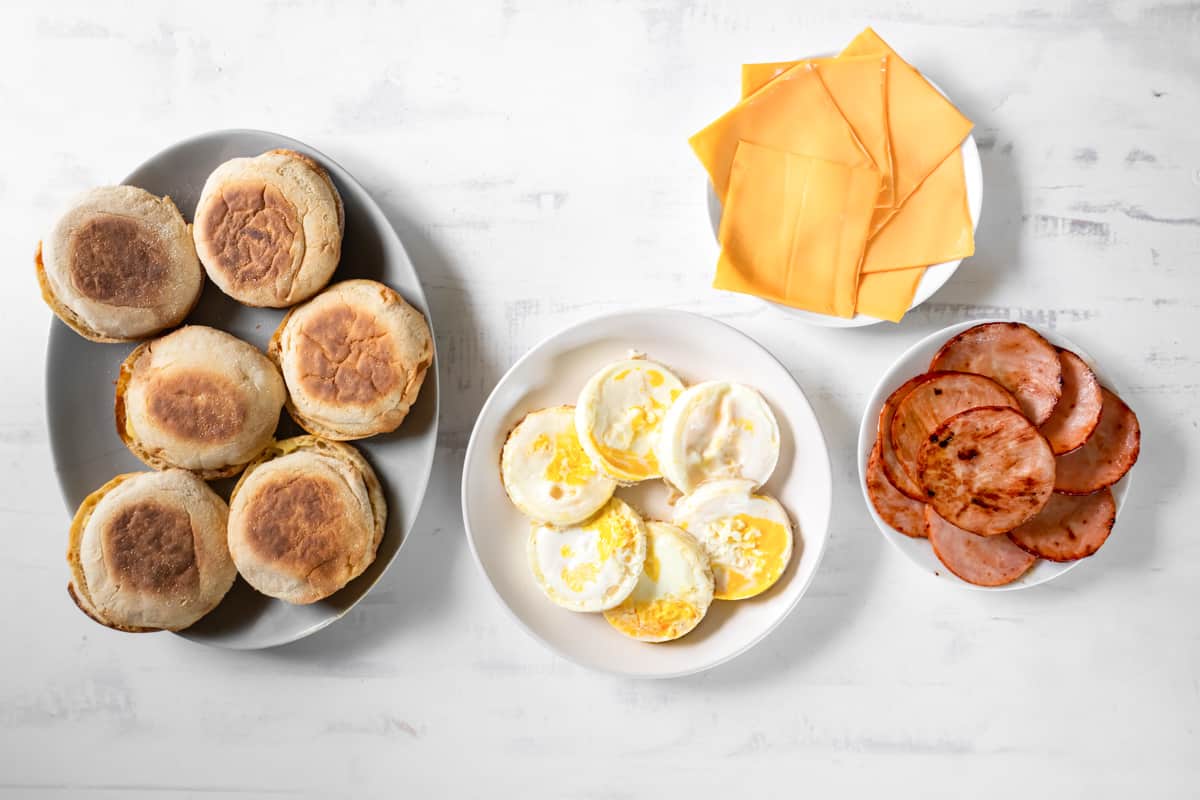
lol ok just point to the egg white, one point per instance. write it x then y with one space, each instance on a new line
591 566
673 592
748 536
718 430
619 414
547 474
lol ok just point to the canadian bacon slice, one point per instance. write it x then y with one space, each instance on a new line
1078 410
931 402
891 465
1070 527
986 470
1108 454
981 560
903 513
1015 356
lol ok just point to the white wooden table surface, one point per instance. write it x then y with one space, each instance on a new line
532 156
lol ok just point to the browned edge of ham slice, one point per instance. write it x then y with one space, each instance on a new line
1078 410
930 403
1108 454
891 465
1070 527
1015 356
901 512
981 560
987 470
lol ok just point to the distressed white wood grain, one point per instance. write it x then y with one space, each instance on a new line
532 155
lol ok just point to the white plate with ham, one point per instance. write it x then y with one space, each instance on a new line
995 455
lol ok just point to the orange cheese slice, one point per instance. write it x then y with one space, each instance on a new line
756 76
794 229
858 87
793 113
923 125
933 226
888 295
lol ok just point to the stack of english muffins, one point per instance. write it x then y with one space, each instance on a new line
159 549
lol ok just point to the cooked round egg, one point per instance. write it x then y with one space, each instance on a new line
546 473
674 591
718 430
619 414
591 566
748 536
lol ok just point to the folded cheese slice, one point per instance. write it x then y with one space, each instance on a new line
888 295
924 127
858 86
932 227
794 229
793 113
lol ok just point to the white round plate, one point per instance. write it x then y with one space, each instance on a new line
80 377
935 276
552 373
913 362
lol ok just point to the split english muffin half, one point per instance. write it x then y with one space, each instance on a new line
305 519
119 265
269 229
199 399
354 359
148 552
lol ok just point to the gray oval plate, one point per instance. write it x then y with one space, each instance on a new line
80 379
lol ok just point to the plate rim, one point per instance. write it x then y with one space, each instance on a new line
866 432
58 330
474 443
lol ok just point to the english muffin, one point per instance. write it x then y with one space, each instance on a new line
148 552
269 229
305 519
354 359
119 265
198 399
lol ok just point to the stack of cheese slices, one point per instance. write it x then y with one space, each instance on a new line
841 181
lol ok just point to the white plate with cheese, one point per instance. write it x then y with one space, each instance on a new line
553 373
935 276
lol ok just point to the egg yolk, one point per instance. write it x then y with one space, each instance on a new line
640 422
651 565
569 465
615 533
667 617
580 576
758 545
628 464
664 616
